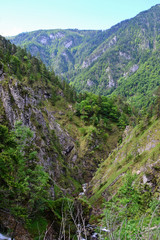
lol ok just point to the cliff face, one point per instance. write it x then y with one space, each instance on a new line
21 102
28 93
59 150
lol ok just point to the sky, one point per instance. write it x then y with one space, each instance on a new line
28 15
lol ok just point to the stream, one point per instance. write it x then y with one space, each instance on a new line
3 237
91 230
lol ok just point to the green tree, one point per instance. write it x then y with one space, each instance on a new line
23 182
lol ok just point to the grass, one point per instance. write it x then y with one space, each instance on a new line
37 227
125 158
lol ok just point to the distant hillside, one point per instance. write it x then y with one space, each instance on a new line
63 50
101 61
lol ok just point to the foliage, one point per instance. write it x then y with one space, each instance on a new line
122 213
144 83
123 60
101 110
16 62
24 183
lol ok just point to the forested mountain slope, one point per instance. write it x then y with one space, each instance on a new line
51 142
101 61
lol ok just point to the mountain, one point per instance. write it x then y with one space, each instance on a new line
73 165
51 142
126 185
82 166
102 61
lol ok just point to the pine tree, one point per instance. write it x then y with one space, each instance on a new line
23 182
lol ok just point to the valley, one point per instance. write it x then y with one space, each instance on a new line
80 132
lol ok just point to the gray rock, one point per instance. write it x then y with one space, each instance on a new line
111 82
90 83
68 44
65 140
125 55
134 68
74 158
147 178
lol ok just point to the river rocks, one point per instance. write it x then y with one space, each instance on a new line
84 187
90 232
94 236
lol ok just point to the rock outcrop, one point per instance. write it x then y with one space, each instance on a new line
21 102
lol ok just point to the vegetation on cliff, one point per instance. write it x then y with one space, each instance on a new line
66 134
126 185
53 140
24 183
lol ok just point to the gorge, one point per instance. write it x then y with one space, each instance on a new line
73 164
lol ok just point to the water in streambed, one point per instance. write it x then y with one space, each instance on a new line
3 237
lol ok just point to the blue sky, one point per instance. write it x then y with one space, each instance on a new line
27 15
